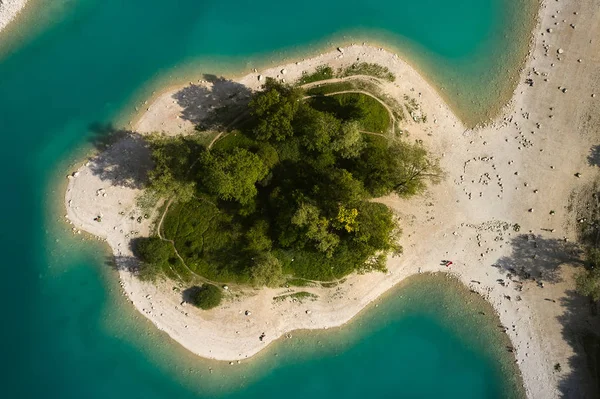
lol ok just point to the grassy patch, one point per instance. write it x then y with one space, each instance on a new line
233 140
208 240
322 72
370 114
299 296
333 284
361 85
367 68
299 282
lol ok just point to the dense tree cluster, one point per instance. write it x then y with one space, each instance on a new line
289 194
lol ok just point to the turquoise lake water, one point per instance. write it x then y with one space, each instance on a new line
68 334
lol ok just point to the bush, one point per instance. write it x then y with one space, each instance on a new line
206 297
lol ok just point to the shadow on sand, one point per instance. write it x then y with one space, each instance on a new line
594 156
539 259
212 105
124 156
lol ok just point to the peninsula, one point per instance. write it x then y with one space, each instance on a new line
499 212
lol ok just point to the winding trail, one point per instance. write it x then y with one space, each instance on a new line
367 78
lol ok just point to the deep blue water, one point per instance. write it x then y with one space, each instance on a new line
67 333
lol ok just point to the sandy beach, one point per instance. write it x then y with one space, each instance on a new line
520 169
9 10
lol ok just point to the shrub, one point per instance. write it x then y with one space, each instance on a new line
207 296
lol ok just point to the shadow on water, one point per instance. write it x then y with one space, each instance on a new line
537 258
208 103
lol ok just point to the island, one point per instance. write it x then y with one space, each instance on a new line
240 210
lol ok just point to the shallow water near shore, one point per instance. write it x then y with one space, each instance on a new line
67 331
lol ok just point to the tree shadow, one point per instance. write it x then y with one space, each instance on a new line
348 111
124 159
212 104
594 156
537 258
122 263
580 329
188 294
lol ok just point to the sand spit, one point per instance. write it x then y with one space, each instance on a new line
9 10
519 170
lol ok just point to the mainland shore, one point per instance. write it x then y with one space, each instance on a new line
518 170
9 9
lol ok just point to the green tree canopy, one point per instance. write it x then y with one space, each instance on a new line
266 271
316 227
172 159
232 175
290 191
274 109
397 167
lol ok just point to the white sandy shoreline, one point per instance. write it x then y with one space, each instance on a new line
9 9
492 173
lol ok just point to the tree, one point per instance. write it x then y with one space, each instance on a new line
398 167
266 271
346 219
268 154
317 128
207 296
273 110
317 228
378 230
154 254
348 142
412 166
172 159
232 175
258 237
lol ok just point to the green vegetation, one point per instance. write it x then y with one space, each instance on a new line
322 72
206 297
366 68
588 223
158 256
325 72
588 282
286 196
359 85
371 115
299 296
